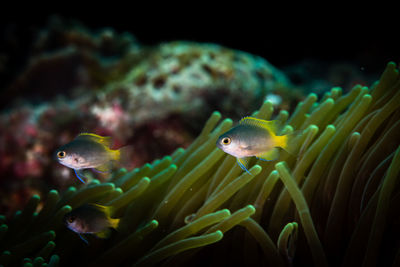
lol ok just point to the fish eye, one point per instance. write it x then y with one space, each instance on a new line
226 141
61 154
71 219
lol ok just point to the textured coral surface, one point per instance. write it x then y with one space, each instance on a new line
154 98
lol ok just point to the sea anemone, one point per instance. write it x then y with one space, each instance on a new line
335 201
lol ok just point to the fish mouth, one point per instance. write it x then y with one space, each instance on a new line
54 156
218 144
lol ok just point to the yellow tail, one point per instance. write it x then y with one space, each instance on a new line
109 212
124 156
114 222
116 155
288 143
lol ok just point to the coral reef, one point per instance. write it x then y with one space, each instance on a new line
153 98
66 58
335 203
31 135
195 79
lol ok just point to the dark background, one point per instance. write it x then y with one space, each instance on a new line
367 41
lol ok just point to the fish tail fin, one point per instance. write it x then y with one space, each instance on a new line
116 154
124 156
114 222
289 142
109 212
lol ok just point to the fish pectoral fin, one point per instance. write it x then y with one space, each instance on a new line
104 234
79 174
272 154
243 163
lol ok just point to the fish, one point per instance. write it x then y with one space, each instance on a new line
90 151
255 137
91 218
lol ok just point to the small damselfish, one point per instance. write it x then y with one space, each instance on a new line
255 137
90 151
91 218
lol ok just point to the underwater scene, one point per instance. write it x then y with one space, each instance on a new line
124 149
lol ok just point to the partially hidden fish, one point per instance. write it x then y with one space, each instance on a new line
255 137
90 151
91 219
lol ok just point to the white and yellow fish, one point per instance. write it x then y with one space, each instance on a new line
91 219
90 151
255 137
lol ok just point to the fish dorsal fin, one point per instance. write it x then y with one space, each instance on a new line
107 210
271 126
105 140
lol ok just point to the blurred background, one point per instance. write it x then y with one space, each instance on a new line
151 82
